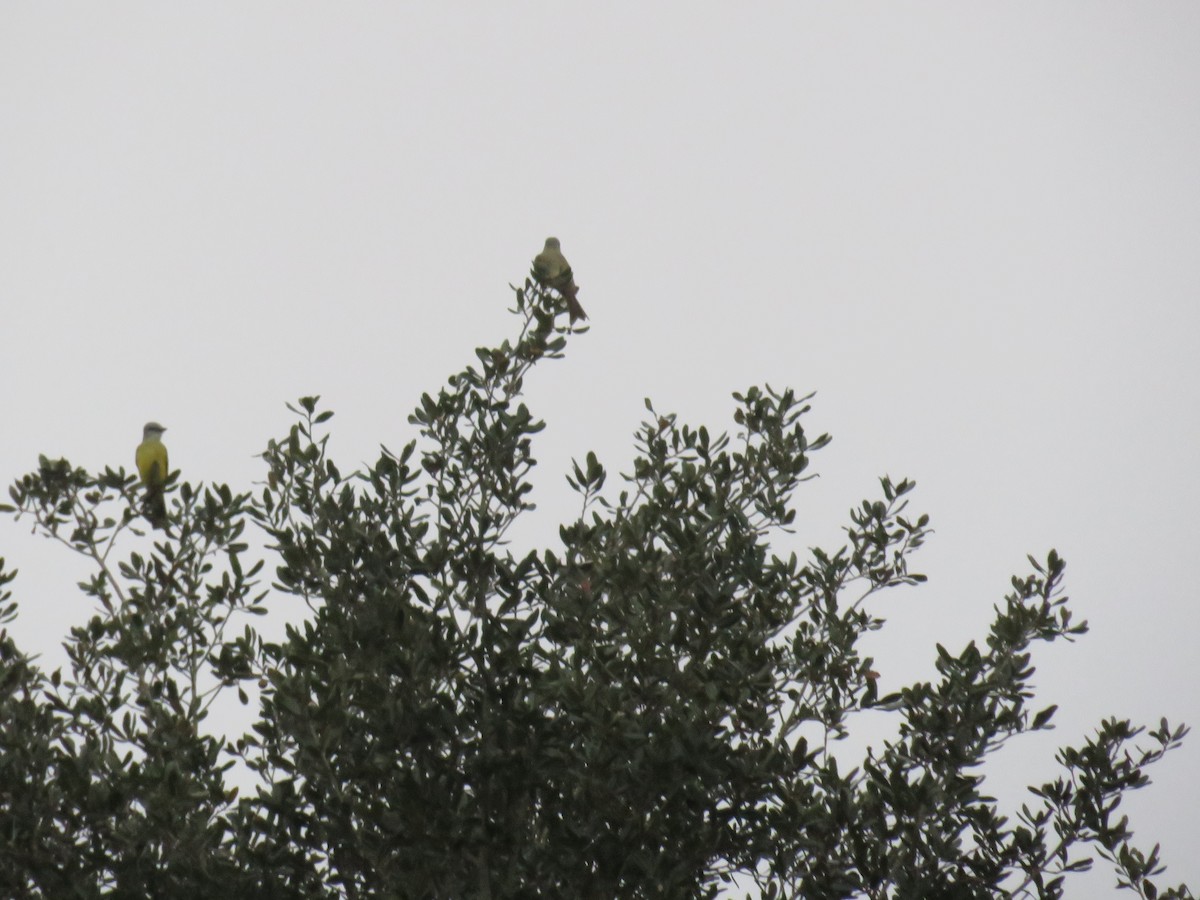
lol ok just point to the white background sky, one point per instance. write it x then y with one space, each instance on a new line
973 229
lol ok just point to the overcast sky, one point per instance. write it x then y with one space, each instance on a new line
973 229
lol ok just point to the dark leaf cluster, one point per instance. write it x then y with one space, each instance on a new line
651 709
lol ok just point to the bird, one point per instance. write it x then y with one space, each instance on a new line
551 269
152 466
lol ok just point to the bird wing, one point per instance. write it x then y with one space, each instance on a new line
550 266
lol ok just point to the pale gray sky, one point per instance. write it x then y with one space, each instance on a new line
973 229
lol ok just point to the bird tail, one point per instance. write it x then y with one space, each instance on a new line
573 303
155 509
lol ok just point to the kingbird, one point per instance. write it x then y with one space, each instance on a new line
152 466
551 269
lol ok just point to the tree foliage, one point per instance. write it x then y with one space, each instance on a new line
649 710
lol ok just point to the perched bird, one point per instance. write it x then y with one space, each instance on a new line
152 466
551 269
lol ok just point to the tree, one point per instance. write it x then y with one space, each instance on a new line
647 711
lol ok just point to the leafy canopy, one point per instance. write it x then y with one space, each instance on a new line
648 710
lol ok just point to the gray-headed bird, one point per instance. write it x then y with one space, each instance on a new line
551 269
152 466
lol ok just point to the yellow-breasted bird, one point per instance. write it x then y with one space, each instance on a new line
551 269
153 468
